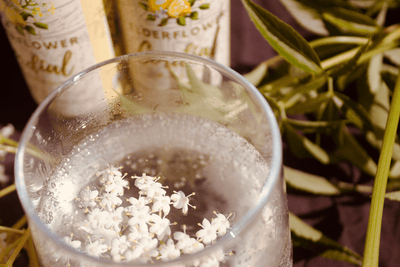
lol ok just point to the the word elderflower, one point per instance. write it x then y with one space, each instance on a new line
140 231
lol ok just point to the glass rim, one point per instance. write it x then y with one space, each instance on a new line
273 175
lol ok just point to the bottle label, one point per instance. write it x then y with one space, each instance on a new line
199 27
52 40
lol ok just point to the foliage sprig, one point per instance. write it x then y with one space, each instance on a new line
341 86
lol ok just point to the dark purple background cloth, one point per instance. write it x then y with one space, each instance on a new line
343 219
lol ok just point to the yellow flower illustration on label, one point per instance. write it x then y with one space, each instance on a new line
179 8
158 5
10 10
164 10
25 14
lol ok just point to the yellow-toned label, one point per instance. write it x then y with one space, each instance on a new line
200 27
55 39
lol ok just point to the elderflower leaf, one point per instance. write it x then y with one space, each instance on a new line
315 126
217 107
284 39
348 66
354 111
307 16
374 73
393 55
302 146
395 196
350 21
351 150
309 182
257 74
308 106
312 239
130 106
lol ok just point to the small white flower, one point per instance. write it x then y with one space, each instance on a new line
110 200
135 235
136 204
208 234
88 197
107 175
222 223
97 218
142 181
149 249
192 246
115 219
149 186
209 262
162 203
133 254
118 246
168 251
75 244
140 218
95 248
182 238
187 244
160 226
181 201
117 185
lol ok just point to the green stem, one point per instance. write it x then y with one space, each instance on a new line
33 258
339 40
21 222
371 250
20 245
9 149
8 141
11 230
9 189
4 253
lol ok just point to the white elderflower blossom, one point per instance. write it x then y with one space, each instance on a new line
208 234
181 201
161 203
87 198
140 218
136 204
115 219
139 229
222 223
73 243
150 250
118 247
160 226
97 218
110 200
96 248
168 251
117 185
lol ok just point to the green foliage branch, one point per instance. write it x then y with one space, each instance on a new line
342 85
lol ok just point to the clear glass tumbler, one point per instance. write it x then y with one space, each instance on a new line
177 162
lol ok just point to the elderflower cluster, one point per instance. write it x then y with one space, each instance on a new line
139 230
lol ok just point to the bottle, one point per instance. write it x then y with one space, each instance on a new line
199 27
55 39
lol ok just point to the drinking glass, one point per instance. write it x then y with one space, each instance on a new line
178 130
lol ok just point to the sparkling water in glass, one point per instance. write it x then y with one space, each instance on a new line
178 162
